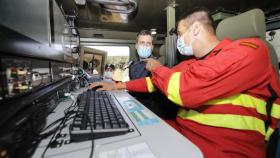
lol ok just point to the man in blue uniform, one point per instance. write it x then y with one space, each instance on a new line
144 46
137 69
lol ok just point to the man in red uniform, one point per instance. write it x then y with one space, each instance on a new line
228 93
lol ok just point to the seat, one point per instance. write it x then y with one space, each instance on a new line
162 55
246 25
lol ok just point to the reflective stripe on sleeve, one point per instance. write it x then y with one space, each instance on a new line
173 90
275 111
150 85
269 133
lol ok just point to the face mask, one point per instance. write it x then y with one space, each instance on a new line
108 74
184 50
144 52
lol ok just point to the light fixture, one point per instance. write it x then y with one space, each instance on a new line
117 6
220 14
80 2
153 31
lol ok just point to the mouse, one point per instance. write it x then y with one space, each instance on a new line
95 88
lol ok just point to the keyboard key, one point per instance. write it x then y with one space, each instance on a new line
98 126
107 125
116 126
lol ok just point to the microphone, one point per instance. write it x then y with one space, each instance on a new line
128 64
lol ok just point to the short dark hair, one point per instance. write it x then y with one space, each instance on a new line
200 14
144 33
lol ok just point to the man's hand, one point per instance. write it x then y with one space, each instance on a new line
152 64
104 86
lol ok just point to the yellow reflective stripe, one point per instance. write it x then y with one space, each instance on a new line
275 111
150 85
173 89
243 100
248 101
268 133
225 120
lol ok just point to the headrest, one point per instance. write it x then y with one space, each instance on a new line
245 25
162 50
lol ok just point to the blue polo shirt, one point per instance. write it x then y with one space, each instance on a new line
138 70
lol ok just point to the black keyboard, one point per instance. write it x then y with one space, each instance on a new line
97 117
94 79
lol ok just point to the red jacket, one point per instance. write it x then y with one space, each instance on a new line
222 98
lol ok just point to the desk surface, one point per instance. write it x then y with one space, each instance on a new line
151 138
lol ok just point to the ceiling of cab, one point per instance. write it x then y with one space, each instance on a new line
152 14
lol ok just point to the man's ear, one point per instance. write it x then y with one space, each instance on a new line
136 46
196 28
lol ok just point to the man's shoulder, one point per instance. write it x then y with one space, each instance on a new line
253 48
250 43
136 63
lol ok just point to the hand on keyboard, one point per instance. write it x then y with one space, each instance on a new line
103 86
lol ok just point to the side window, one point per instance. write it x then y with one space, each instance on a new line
117 57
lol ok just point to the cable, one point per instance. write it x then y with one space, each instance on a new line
92 137
68 112
53 123
87 83
73 104
45 135
51 140
59 128
62 125
92 134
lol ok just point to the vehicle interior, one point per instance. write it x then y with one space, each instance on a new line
52 50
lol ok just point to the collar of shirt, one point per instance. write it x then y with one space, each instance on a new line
217 49
138 58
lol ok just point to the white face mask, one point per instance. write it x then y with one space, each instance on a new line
183 49
108 74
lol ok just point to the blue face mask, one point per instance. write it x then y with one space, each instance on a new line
144 52
184 50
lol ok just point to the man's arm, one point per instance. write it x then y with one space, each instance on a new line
138 85
106 86
237 69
